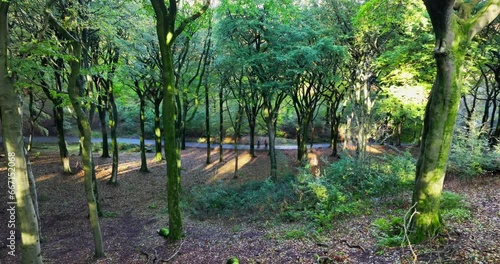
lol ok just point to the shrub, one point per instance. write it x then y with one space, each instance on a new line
346 186
264 197
454 207
389 233
470 154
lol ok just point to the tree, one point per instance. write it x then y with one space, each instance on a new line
11 116
75 83
166 18
454 31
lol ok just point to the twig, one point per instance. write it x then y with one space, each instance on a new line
405 226
175 253
352 246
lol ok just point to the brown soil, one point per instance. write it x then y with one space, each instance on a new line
136 210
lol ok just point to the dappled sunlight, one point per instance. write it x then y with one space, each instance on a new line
373 150
46 177
229 166
313 159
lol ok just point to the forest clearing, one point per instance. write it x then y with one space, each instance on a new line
136 209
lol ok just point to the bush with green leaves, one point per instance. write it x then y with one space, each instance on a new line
471 154
346 186
247 199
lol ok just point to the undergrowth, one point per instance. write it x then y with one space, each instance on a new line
471 154
344 188
256 198
390 231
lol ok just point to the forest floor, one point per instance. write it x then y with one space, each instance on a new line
136 209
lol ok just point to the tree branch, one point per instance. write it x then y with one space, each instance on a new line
192 18
53 21
485 16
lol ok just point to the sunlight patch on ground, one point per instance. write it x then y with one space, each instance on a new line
228 168
314 163
46 177
373 150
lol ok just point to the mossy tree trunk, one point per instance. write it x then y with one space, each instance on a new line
75 96
11 116
454 32
158 154
102 109
58 110
142 119
167 33
113 122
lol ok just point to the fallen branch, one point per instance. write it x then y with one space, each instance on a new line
405 226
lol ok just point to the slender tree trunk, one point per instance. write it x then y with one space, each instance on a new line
207 123
167 33
58 117
172 148
251 126
11 115
158 154
221 123
272 148
113 122
144 161
101 110
334 128
86 144
61 139
31 120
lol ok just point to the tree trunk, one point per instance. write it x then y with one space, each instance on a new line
334 131
144 161
86 144
11 114
101 110
172 150
59 117
272 148
31 120
158 154
251 126
221 123
61 140
452 41
207 123
113 122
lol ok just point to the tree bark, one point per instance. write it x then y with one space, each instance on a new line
11 115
